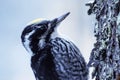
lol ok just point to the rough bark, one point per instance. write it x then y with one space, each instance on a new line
105 56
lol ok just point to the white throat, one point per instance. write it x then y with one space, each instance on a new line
54 35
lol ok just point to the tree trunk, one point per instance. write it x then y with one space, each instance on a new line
105 56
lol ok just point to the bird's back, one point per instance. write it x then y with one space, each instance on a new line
59 60
69 62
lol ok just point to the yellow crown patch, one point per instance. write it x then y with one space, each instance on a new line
35 21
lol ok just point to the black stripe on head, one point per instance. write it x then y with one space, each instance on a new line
35 37
39 27
26 31
52 29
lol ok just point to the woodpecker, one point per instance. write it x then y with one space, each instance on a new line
53 57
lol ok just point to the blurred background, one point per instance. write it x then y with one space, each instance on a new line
15 14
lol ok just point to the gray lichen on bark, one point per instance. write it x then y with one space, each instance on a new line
105 56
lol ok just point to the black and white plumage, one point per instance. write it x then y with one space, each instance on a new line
53 58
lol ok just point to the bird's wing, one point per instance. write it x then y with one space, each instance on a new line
43 66
70 64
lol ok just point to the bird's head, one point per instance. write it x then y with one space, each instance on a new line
41 29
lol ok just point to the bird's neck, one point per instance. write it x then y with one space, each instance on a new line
34 45
43 41
38 43
54 35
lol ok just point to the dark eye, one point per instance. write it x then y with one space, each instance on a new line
44 27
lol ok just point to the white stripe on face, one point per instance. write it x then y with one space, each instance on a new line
27 42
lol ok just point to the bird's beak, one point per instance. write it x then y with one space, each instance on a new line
61 18
54 23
